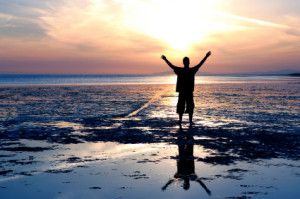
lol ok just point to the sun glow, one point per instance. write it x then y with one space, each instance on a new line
179 24
173 25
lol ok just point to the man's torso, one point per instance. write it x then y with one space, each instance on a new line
185 79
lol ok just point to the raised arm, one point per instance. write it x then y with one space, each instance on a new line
168 183
204 186
203 60
167 61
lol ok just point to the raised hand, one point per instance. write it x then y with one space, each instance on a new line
208 54
163 57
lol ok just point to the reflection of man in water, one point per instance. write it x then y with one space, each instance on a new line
185 86
185 164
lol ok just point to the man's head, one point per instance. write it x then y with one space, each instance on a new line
186 62
186 184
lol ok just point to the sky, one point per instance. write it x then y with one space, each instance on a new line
129 36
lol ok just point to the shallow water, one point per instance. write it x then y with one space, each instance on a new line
123 141
112 170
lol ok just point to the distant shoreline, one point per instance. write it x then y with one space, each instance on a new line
149 75
295 74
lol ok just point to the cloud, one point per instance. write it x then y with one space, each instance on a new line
293 24
249 20
19 21
129 36
254 47
74 34
94 25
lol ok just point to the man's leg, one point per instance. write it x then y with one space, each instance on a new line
190 106
180 106
191 118
180 118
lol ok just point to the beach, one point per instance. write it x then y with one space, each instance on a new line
123 141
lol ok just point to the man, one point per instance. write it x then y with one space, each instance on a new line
185 86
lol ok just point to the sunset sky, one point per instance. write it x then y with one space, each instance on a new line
129 36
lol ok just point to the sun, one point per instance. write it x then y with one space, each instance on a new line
179 24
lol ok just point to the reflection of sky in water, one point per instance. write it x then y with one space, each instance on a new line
112 170
60 156
132 114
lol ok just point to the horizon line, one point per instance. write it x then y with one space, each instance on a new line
159 74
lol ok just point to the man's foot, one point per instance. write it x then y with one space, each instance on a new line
180 119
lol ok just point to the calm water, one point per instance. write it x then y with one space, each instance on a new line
121 140
129 79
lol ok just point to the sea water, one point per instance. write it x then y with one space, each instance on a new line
34 79
64 136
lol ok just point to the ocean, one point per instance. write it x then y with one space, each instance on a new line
117 136
34 79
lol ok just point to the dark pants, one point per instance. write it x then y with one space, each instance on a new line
185 103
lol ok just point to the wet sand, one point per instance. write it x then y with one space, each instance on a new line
123 141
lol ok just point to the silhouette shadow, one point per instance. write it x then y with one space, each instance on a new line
185 163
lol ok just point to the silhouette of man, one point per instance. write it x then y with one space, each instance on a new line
185 165
185 86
